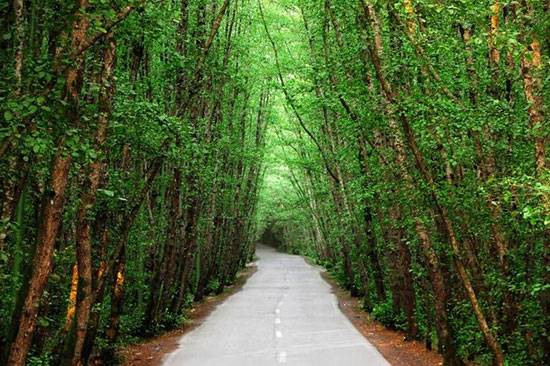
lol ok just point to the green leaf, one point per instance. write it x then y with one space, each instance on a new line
107 192
43 322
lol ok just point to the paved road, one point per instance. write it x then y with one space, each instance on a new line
285 314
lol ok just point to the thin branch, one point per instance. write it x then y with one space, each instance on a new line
289 98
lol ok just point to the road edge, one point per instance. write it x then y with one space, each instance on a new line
152 351
390 343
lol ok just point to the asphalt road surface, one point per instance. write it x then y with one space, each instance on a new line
285 314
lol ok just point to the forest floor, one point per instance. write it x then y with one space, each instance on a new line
151 352
390 343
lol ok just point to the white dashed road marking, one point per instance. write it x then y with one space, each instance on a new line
248 329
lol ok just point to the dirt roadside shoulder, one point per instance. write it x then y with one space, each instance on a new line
151 352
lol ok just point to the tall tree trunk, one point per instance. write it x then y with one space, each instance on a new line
9 187
83 240
117 303
190 242
71 304
532 71
53 203
19 8
51 218
392 99
167 276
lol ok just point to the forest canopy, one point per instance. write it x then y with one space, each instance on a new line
146 145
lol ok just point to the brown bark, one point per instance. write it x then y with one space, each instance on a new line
10 186
403 296
166 270
93 323
441 296
184 102
9 200
494 53
117 303
441 210
112 265
51 218
403 263
367 216
436 276
368 222
53 204
89 41
18 8
342 204
320 95
183 27
83 239
71 304
207 258
487 172
193 200
366 206
190 241
532 71
76 55
195 81
128 220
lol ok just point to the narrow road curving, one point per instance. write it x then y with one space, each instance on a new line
285 314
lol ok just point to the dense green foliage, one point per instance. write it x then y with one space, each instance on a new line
172 215
146 145
344 185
